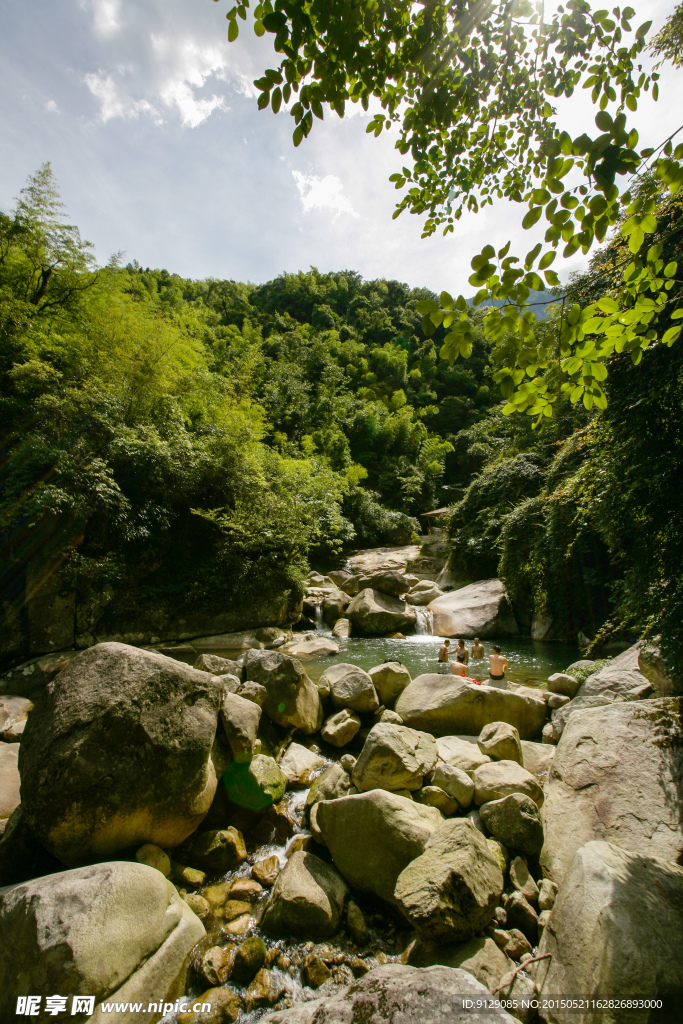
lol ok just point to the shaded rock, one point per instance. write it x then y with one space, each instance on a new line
512 942
347 761
249 958
22 856
334 606
616 929
265 990
500 778
119 751
226 1007
616 776
218 666
516 822
450 891
9 781
115 930
480 956
619 675
254 692
154 857
563 684
316 972
432 796
14 712
30 677
521 879
217 851
481 609
355 922
342 629
537 758
187 877
394 757
453 781
240 718
390 680
298 765
266 871
447 705
396 993
292 699
520 914
461 752
307 899
349 687
373 836
547 894
340 729
375 613
501 742
255 785
654 667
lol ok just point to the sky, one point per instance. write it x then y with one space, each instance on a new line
148 116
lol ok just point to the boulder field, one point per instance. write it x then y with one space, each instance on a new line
403 849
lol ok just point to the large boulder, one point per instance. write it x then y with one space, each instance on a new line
619 675
375 614
240 719
616 775
218 666
615 932
563 683
388 581
334 606
292 700
390 680
515 821
482 609
400 994
462 752
307 899
120 752
501 742
373 836
500 778
349 687
118 931
480 957
537 758
424 593
450 892
445 705
560 716
316 647
394 757
331 784
653 666
9 781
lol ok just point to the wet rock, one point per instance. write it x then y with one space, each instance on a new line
216 964
563 684
461 752
232 909
116 930
226 1007
9 781
266 871
390 680
342 629
394 757
154 857
292 700
521 879
516 822
240 718
350 687
481 609
340 729
355 922
255 785
547 894
618 676
14 712
218 666
265 990
239 925
245 889
187 877
249 958
316 972
616 928
298 765
119 751
432 796
393 993
330 785
501 742
501 778
448 705
616 776
373 836
306 900
217 851
375 613
481 957
520 914
450 891
198 905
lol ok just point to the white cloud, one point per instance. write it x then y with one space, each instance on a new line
106 15
113 103
52 107
323 194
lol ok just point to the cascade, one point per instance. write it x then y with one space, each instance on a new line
319 622
424 622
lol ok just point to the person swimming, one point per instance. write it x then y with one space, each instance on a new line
444 652
458 667
497 665
477 652
462 652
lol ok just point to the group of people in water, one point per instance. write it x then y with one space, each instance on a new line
497 661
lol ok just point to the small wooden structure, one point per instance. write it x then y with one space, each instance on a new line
436 519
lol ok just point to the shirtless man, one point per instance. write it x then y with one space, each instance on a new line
462 653
497 665
458 667
444 652
477 652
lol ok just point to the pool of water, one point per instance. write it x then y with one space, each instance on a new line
531 661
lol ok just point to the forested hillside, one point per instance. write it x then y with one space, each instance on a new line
199 441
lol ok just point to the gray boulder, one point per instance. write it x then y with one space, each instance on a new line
14 713
311 647
450 892
375 613
340 729
400 994
500 778
516 822
481 609
334 606
462 752
390 680
292 700
616 776
342 629
389 581
501 742
307 899
373 836
9 781
563 684
349 687
218 666
240 719
424 593
394 757
560 716
446 705
117 931
619 675
616 930
453 781
120 751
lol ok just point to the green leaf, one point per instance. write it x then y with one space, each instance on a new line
643 30
428 327
547 259
259 29
298 135
532 254
233 31
551 278
532 217
426 306
608 305
446 300
276 99
461 304
671 335
488 252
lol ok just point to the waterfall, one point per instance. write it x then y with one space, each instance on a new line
424 622
319 623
